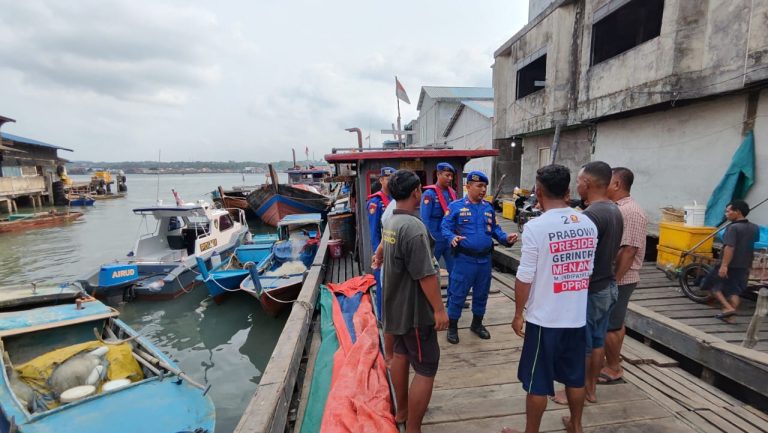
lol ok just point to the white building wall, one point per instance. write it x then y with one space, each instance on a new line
679 155
473 131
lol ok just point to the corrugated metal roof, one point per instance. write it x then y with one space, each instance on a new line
25 140
457 93
483 107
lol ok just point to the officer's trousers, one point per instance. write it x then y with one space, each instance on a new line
469 272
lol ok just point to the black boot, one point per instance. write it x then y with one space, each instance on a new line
478 328
453 331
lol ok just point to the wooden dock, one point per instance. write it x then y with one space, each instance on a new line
477 390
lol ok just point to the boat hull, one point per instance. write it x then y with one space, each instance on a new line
277 293
272 206
38 222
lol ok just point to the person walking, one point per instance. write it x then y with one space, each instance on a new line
470 225
592 185
551 284
629 260
728 278
413 310
434 206
376 205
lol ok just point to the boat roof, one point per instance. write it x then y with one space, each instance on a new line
354 154
37 319
300 218
17 296
169 211
308 171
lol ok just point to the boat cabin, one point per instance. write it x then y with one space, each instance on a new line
368 164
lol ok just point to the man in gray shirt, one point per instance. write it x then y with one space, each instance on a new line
412 305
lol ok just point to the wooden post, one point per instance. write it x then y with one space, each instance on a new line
761 310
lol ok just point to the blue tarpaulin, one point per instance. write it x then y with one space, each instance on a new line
735 183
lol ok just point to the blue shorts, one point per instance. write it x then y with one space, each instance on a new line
551 354
599 306
734 284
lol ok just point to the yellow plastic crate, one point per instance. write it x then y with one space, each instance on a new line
508 209
678 236
670 257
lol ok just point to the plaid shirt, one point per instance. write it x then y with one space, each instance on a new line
635 229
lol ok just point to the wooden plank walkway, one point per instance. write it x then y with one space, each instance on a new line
660 312
477 390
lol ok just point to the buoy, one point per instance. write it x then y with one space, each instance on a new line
115 384
77 393
215 259
95 375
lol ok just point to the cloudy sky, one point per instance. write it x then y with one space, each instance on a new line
233 80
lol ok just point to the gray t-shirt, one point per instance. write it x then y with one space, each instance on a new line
407 259
610 226
741 235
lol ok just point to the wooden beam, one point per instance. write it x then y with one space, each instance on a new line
761 310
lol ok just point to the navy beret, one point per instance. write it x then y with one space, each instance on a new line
387 171
477 176
444 166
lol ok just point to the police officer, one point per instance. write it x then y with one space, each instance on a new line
470 226
434 206
376 205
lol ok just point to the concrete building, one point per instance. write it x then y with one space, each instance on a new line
27 171
458 117
668 88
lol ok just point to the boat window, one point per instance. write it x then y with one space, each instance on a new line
225 222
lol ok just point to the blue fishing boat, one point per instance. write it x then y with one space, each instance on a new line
227 276
82 200
74 367
277 281
163 262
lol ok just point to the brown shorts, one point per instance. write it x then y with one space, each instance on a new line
421 348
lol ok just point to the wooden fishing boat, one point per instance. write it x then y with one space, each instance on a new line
233 199
163 262
127 384
36 220
277 281
227 276
273 201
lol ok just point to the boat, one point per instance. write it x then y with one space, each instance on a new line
235 198
277 281
70 365
227 276
25 221
311 178
163 262
273 201
80 200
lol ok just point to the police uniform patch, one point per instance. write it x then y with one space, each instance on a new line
476 178
372 209
426 201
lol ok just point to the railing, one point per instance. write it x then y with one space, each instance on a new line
14 186
267 411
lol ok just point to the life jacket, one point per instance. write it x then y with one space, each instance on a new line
440 197
384 199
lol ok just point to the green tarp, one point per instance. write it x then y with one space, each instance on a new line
321 377
735 183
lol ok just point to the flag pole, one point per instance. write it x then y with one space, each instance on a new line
399 137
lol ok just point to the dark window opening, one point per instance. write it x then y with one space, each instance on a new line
627 27
531 77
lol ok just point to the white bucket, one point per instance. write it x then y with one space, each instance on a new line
694 215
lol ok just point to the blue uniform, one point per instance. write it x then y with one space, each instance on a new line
432 215
472 263
376 206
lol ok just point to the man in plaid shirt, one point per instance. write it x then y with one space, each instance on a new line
629 260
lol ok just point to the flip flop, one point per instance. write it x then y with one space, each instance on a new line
604 379
725 315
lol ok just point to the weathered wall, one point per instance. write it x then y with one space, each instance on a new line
679 155
14 186
573 152
759 191
535 7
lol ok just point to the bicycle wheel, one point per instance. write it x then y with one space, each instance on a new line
690 282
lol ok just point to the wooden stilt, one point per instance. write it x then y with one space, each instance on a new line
761 310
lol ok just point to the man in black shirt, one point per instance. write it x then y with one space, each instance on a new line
729 277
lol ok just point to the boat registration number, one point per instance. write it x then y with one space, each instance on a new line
207 245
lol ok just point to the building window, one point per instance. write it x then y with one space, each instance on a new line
630 25
531 77
544 154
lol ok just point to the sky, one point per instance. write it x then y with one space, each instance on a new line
205 80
